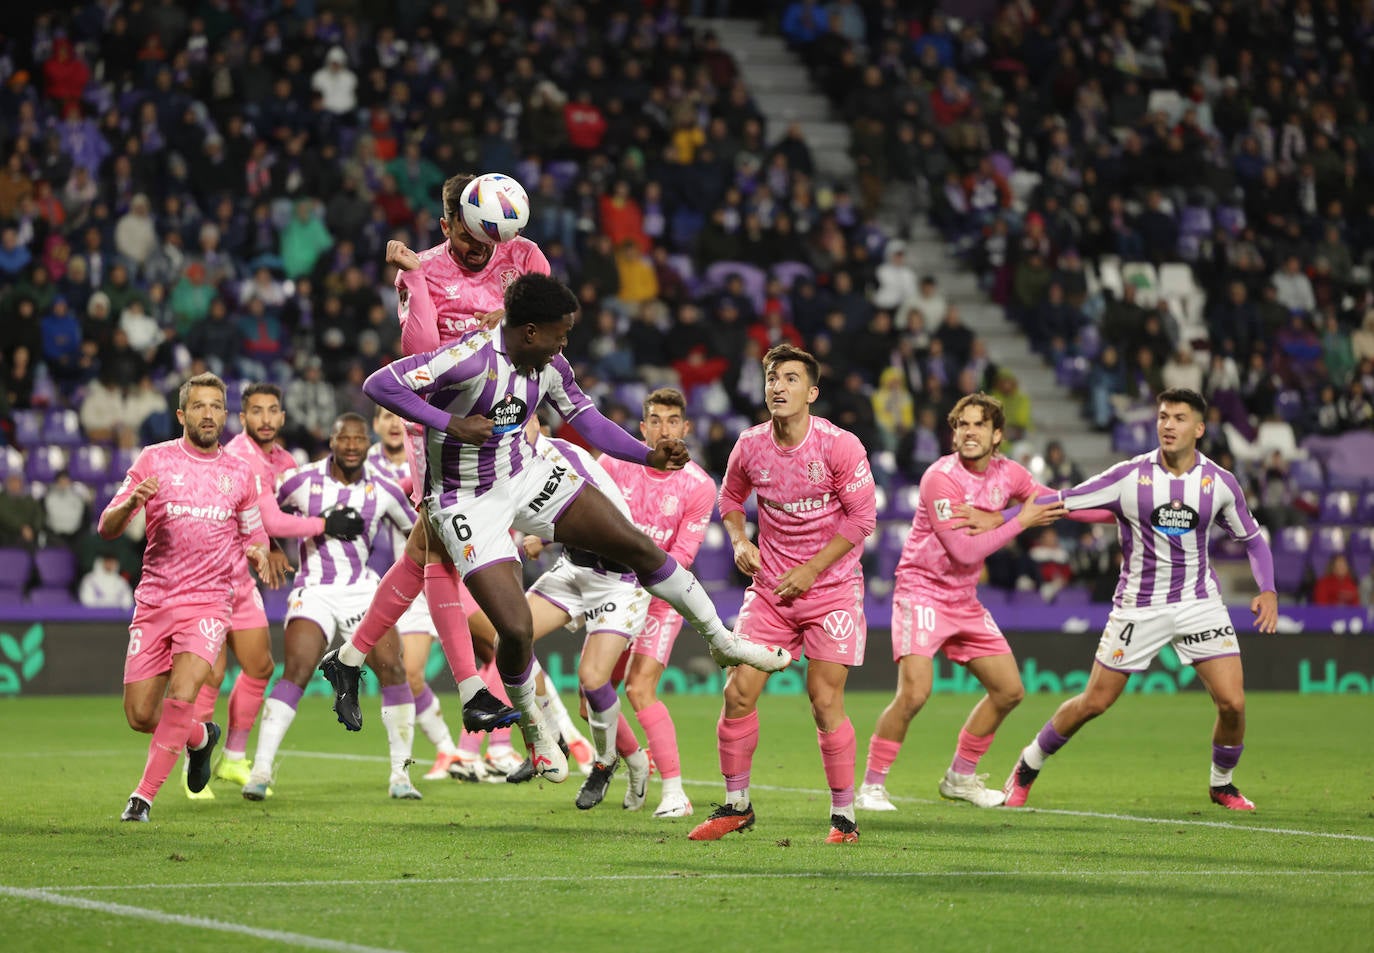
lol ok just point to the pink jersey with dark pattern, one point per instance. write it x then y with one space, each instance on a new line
672 507
926 568
807 494
200 520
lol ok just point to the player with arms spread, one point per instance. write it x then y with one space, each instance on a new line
444 292
935 603
484 477
202 519
816 508
1166 503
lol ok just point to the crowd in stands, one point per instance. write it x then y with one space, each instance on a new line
212 185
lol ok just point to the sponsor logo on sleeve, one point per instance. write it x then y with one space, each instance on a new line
944 510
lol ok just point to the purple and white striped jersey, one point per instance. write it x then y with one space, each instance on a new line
475 377
311 490
397 473
1165 522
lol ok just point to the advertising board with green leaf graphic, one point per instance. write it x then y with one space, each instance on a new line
21 658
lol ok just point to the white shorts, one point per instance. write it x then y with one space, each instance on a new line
1199 630
476 530
416 619
335 609
601 601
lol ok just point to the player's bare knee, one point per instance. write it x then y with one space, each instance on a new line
1004 700
909 702
1231 707
141 718
640 693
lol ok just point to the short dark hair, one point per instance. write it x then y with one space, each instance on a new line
1184 395
538 299
349 418
200 380
261 387
779 353
665 397
453 193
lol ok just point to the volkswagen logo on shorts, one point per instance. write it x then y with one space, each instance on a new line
213 630
839 625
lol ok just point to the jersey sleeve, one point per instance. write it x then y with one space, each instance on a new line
1234 516
400 385
293 496
1098 492
139 471
854 480
567 399
395 506
736 486
696 516
249 516
939 495
418 316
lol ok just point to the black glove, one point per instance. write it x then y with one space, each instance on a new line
343 522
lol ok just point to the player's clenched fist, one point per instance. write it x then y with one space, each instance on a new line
143 492
400 255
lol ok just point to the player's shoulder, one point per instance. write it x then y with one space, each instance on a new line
523 251
381 477
755 433
430 254
1006 468
941 468
695 475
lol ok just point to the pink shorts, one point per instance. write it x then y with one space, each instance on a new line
924 626
156 635
827 625
659 633
248 609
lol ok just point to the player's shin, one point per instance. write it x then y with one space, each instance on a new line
169 740
245 701
277 714
398 715
430 720
680 589
661 735
603 716
1224 761
396 591
738 739
450 617
838 753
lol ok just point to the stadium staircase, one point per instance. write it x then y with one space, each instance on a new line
779 83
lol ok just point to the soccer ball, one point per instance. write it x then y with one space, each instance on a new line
494 208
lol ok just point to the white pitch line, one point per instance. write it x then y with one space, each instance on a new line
179 919
680 875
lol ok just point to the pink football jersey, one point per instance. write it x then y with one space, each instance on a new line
440 298
807 494
926 568
201 518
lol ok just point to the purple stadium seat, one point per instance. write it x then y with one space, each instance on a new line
103 494
1195 220
564 171
28 427
1289 404
1071 372
901 503
1292 542
891 539
684 266
1353 482
124 458
1327 542
1132 438
1365 512
1361 551
1306 476
788 272
49 596
63 428
11 461
56 566
16 564
44 462
1002 164
753 276
1337 506
1231 218
90 465
1090 341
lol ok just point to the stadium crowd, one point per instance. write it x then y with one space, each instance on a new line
211 186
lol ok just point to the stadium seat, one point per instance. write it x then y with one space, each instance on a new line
1337 506
992 598
715 565
684 266
1142 275
788 272
51 596
1364 513
103 494
1306 475
89 464
1291 542
1231 218
754 278
28 427
902 502
121 460
1361 551
11 461
1290 406
44 463
16 565
63 428
1327 542
1109 273
56 566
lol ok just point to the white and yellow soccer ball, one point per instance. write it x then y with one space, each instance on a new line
494 207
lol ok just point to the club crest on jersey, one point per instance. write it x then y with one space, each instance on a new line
668 505
507 415
815 473
225 483
1207 484
469 551
1175 518
508 277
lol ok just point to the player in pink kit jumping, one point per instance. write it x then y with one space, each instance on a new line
445 292
202 516
935 605
262 418
816 508
673 507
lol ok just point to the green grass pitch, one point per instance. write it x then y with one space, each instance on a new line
1121 850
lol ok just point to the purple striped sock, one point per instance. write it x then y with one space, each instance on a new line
397 695
1226 757
424 699
1050 740
524 678
661 573
287 692
600 699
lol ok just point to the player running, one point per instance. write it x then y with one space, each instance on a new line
332 591
935 603
816 507
1166 503
202 516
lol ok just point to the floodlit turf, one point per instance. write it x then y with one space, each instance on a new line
1122 851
